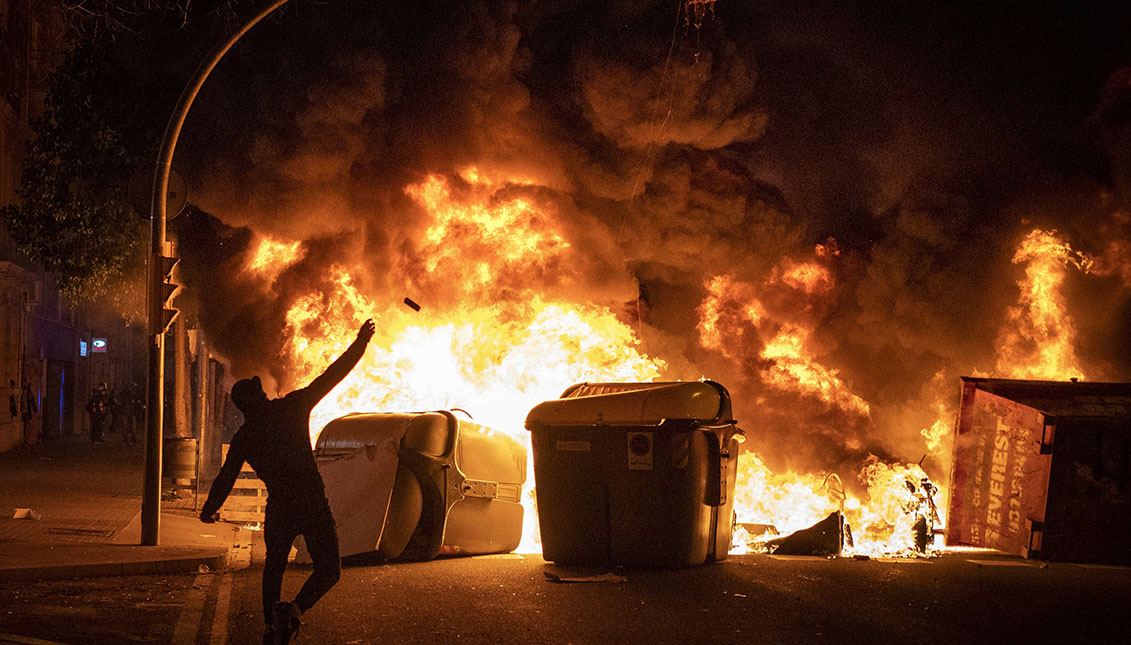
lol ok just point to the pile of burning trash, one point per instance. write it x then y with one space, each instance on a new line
832 536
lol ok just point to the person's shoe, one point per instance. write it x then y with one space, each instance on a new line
286 622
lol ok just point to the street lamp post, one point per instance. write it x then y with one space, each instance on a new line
155 396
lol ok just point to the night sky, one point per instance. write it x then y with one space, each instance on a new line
925 138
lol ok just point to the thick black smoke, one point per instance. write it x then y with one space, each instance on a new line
925 140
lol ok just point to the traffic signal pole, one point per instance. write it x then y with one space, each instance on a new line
157 290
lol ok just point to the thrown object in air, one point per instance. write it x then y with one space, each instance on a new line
636 474
412 304
412 486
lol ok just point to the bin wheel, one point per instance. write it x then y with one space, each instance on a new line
403 515
425 542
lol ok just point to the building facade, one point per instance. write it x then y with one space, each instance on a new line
49 360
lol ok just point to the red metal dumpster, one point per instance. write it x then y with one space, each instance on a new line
1043 469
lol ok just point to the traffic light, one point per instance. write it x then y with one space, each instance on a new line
163 291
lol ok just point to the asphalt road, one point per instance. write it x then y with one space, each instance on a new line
509 599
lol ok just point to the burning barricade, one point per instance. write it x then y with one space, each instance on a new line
629 474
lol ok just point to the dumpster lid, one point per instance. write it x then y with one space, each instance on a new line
357 430
1061 398
634 404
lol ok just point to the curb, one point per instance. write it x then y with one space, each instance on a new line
25 640
214 560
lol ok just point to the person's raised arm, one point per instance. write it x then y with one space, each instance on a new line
338 370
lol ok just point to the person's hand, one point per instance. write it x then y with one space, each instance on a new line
209 519
368 328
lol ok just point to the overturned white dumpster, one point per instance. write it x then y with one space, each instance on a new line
411 486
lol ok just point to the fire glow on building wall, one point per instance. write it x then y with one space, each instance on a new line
643 213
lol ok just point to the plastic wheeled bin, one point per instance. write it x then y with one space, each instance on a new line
636 474
411 486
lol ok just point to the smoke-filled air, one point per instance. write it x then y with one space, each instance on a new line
835 213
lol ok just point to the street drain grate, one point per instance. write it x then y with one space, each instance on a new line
87 532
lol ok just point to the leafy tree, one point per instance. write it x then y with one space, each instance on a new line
105 111
73 218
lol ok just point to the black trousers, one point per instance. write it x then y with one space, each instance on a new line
97 421
283 522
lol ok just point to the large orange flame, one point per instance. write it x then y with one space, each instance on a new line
1036 342
732 319
272 256
1038 339
495 360
485 241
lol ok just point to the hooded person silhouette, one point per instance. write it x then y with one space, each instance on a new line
275 440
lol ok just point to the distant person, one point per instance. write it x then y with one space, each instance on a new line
133 411
98 407
28 407
118 413
275 440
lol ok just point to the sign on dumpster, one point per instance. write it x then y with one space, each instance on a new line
1000 482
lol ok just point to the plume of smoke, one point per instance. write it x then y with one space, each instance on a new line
303 184
661 170
701 102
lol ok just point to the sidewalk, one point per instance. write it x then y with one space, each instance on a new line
87 501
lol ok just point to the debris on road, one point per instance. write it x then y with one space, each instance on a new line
25 514
604 577
826 537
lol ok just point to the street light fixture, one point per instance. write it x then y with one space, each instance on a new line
157 286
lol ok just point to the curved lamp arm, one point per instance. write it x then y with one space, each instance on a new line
155 395
173 129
